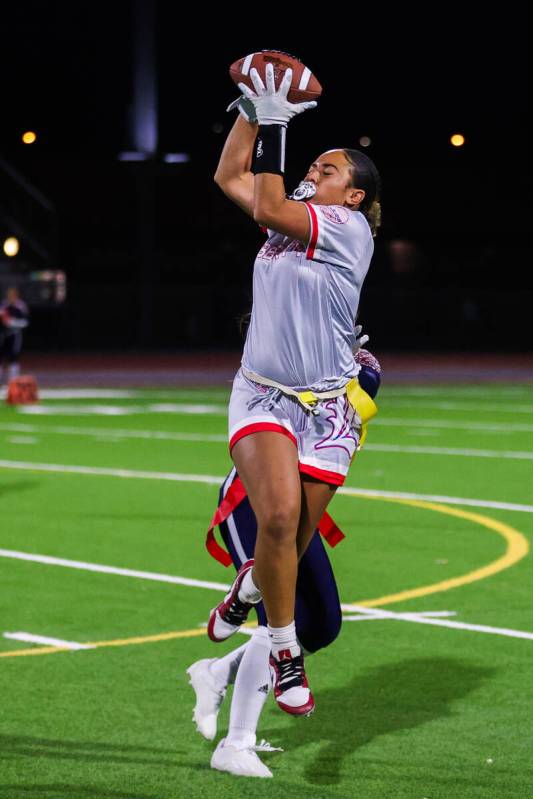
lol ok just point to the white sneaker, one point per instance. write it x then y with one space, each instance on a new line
209 697
241 762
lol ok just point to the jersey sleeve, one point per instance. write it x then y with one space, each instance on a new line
266 230
338 236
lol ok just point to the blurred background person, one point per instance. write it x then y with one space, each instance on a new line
14 318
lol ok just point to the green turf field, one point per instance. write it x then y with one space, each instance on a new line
435 706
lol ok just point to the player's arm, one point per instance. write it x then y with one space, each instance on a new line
272 210
273 110
233 173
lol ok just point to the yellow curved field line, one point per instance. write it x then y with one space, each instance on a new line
517 548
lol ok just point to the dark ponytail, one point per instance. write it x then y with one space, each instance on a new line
366 176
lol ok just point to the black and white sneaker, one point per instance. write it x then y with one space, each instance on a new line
291 688
231 613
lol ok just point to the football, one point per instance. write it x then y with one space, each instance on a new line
304 85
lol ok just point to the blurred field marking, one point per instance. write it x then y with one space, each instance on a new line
123 410
143 639
86 393
481 391
428 617
103 432
101 568
44 639
369 614
504 407
440 424
58 468
453 451
423 618
413 449
448 424
517 548
112 393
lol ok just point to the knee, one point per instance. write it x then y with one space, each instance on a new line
279 522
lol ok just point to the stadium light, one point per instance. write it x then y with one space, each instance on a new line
11 246
457 139
365 141
29 137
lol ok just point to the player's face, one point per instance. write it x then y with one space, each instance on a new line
332 177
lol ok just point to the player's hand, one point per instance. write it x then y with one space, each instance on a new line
271 105
360 340
246 108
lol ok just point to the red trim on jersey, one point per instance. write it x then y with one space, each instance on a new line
314 232
258 427
322 474
263 229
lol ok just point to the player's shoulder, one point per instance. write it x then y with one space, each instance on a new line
340 215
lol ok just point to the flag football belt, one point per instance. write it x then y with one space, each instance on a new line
362 403
234 496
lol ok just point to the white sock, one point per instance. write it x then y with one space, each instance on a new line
252 686
224 669
249 592
284 638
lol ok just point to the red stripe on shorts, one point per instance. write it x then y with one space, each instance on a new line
322 474
259 427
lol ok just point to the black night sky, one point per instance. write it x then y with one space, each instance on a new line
453 262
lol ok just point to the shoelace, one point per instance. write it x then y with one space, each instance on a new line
264 746
237 613
291 672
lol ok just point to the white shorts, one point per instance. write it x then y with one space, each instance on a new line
326 443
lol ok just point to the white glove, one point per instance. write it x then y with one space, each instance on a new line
246 108
271 106
360 340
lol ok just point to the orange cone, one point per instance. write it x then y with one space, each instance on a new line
22 390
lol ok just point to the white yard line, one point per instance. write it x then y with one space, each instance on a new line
452 451
121 410
98 567
499 408
46 641
102 432
106 472
86 393
383 614
424 619
161 435
445 500
59 468
448 424
452 391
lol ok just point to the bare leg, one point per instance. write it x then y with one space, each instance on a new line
316 496
267 463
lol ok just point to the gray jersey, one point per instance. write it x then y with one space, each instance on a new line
305 301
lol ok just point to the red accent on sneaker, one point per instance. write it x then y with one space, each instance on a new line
223 606
301 710
284 654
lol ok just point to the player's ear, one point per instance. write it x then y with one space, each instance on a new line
355 197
